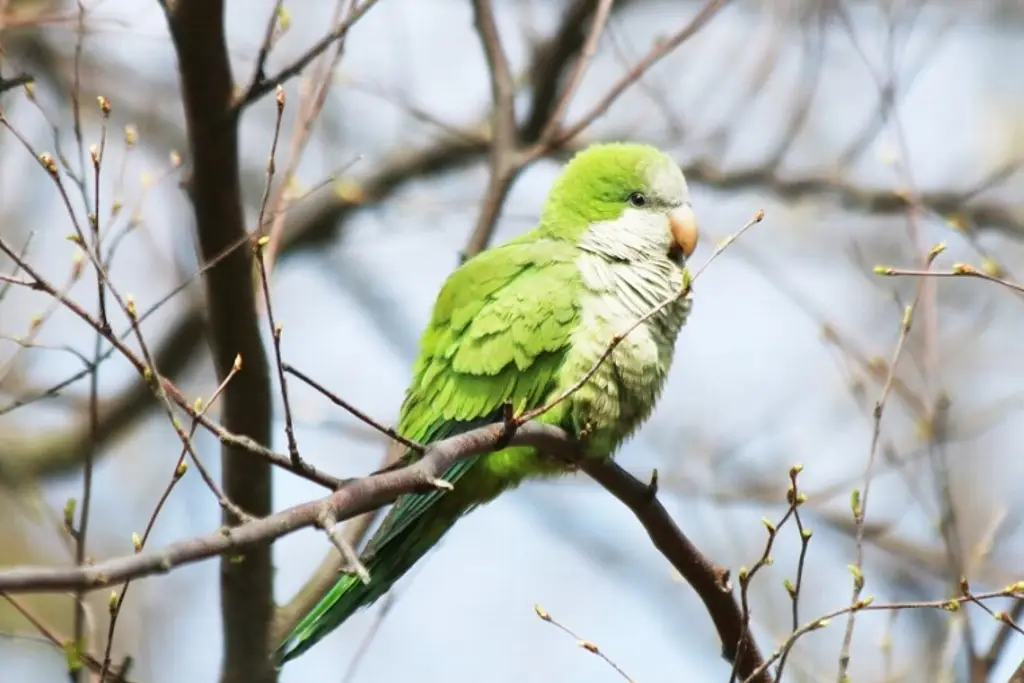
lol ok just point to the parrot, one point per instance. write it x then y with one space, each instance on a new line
521 323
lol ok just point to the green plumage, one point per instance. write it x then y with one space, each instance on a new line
518 324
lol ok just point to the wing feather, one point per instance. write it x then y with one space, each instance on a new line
499 332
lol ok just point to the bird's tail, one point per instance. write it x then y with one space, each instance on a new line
386 564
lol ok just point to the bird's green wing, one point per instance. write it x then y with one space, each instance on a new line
500 330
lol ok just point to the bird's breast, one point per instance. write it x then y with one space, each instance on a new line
622 392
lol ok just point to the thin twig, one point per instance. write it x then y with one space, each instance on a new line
9 280
746 576
354 411
597 25
259 73
588 645
954 605
180 467
335 534
1002 637
262 86
805 540
959 270
505 160
315 88
859 499
258 256
51 635
659 51
162 384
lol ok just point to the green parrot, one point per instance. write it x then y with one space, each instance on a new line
523 322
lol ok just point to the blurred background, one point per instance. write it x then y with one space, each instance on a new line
867 131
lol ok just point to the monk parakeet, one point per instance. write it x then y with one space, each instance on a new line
519 324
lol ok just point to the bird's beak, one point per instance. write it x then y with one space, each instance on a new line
683 223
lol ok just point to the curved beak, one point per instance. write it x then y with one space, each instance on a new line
683 223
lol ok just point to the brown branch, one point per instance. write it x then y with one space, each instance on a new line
14 82
260 85
505 160
968 215
709 580
367 493
588 645
502 86
587 49
354 497
660 50
959 270
246 587
326 574
550 59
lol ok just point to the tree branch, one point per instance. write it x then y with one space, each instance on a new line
28 456
550 59
368 493
261 84
354 497
709 580
660 50
14 82
246 587
504 154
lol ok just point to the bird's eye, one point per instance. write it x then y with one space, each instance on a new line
637 200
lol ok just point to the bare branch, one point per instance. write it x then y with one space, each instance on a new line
657 53
710 581
505 159
550 60
367 493
588 645
961 270
14 82
859 500
601 15
263 85
353 497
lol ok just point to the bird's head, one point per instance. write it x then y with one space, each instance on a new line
624 201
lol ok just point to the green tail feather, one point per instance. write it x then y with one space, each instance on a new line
386 566
412 527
